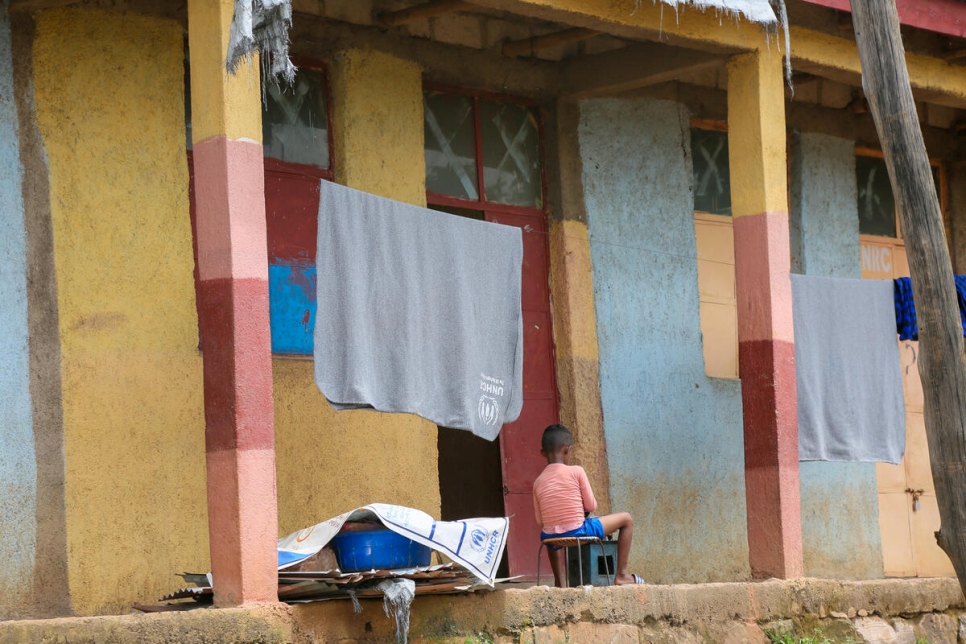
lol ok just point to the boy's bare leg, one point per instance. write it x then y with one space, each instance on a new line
621 521
557 566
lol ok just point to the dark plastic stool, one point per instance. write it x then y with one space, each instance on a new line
570 542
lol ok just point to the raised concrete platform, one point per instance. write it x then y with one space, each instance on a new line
882 611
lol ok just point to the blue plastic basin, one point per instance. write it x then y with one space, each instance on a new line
379 550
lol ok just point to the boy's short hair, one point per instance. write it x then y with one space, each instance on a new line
555 437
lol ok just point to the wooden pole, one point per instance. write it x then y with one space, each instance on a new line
942 368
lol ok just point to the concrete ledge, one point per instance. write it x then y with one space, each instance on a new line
265 625
709 612
868 611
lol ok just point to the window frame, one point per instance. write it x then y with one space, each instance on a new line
275 165
271 164
863 151
714 125
482 204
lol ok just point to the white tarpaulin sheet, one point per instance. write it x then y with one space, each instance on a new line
476 544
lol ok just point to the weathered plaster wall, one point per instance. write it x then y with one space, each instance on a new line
824 217
49 576
377 109
674 437
132 380
18 470
574 318
840 520
329 462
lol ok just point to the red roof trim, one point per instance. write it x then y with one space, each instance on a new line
941 16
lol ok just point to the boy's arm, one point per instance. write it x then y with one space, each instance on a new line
586 493
536 510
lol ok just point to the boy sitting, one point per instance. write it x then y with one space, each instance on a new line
562 498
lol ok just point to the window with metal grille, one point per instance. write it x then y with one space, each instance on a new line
712 177
876 203
482 151
295 121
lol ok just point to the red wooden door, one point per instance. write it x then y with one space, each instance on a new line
520 440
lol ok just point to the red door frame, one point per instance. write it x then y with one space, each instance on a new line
519 441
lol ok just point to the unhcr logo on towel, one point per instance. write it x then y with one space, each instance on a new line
489 410
489 406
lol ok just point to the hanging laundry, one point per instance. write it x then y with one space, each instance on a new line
906 324
850 402
418 312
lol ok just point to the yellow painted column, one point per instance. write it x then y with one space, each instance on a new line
766 339
577 356
233 313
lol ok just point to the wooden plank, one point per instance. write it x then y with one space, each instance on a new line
941 16
427 10
941 362
633 67
529 46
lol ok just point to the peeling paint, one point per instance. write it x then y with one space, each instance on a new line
18 467
132 391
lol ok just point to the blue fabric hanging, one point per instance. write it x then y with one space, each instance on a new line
906 325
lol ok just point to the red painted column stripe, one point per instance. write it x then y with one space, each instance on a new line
236 340
766 352
236 344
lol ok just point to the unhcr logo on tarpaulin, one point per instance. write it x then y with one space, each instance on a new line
478 539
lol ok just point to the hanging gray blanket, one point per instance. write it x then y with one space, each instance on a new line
850 402
418 312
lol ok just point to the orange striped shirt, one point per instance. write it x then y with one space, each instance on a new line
561 494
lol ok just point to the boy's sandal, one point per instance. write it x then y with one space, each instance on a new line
638 579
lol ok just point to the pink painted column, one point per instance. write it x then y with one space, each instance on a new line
766 338
233 312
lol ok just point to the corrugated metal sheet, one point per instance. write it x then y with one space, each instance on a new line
305 586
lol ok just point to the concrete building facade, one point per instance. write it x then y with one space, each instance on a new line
158 252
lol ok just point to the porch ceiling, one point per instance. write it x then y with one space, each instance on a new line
635 67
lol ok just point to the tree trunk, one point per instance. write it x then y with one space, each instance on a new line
885 80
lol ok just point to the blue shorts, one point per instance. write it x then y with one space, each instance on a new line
592 528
